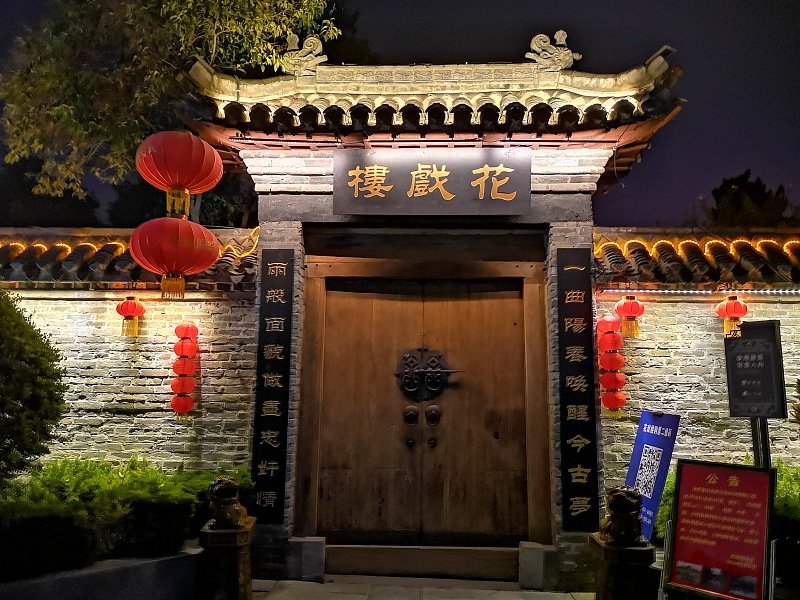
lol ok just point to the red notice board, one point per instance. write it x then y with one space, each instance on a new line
720 531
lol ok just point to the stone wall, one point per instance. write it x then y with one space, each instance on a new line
576 572
677 365
119 387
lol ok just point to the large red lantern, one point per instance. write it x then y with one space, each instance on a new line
173 248
732 310
180 164
630 309
130 309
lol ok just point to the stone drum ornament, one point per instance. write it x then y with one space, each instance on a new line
622 526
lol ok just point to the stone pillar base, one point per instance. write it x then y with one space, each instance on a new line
624 573
306 558
538 566
225 563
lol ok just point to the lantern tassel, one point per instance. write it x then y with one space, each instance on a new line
630 327
730 326
130 326
178 202
172 286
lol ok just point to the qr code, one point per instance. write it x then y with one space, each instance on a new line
648 469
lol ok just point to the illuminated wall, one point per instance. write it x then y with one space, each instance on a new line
119 387
677 365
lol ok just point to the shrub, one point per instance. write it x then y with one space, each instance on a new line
31 390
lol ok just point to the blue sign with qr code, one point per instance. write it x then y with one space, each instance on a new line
649 465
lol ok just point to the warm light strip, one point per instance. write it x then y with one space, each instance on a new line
599 251
42 246
69 248
654 249
92 246
765 241
253 237
714 241
703 292
687 242
629 242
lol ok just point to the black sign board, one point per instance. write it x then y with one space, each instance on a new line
432 181
271 418
754 363
579 501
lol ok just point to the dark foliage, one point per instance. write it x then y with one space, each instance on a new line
31 390
741 202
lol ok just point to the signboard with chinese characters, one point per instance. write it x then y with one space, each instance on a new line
720 531
577 391
754 363
271 417
649 464
432 181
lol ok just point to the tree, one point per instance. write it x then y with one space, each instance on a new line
739 201
20 207
31 390
83 91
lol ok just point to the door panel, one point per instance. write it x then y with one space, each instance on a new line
467 488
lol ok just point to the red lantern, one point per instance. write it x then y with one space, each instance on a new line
609 342
612 361
130 309
614 400
183 385
607 324
185 347
173 248
612 380
180 164
732 310
186 330
630 309
184 366
182 404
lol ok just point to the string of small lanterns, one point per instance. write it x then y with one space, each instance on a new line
612 361
184 367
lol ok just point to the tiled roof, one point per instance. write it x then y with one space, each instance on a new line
690 258
99 259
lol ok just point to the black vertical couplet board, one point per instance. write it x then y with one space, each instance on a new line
754 363
579 501
271 417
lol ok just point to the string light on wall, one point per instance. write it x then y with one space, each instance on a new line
184 367
732 310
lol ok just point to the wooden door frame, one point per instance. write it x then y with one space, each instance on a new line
319 268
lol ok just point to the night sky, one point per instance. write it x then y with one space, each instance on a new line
741 79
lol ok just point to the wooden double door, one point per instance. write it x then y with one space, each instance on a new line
460 479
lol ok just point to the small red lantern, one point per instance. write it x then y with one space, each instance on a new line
732 310
185 347
130 309
612 380
184 366
612 361
180 164
182 404
183 384
173 248
187 330
607 324
630 309
610 342
613 400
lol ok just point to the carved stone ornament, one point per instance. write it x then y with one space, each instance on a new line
226 511
622 526
303 61
550 57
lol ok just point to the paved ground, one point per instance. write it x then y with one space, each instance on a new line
349 587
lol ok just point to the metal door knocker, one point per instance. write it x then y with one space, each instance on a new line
422 374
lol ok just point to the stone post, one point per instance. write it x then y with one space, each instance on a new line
225 562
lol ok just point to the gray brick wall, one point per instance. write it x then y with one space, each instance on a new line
119 388
677 365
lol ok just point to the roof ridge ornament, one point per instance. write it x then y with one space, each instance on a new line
303 61
551 57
